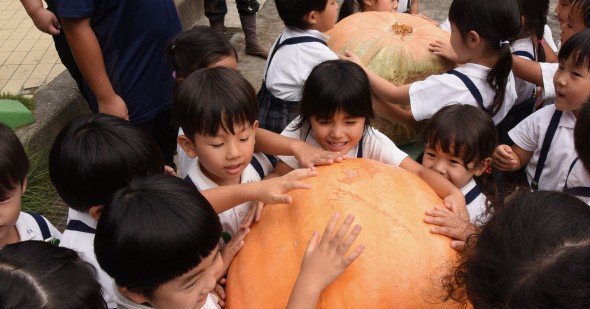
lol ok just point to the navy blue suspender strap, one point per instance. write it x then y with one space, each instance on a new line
79 226
472 194
359 152
578 191
545 148
258 167
472 88
291 41
190 181
45 233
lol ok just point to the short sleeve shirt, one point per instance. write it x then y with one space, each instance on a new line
437 91
529 135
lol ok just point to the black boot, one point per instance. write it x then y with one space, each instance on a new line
252 46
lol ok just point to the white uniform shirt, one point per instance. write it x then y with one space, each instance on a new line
28 229
579 177
83 243
477 207
524 89
376 146
231 219
403 6
529 135
125 303
292 64
437 91
548 71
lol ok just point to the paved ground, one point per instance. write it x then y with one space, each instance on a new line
28 58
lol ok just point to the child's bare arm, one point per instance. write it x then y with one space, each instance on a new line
88 55
510 158
443 49
451 195
279 170
393 112
380 86
527 70
324 261
43 19
307 155
268 191
449 224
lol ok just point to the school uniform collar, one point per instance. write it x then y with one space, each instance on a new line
203 182
291 32
25 232
81 216
568 120
470 185
474 70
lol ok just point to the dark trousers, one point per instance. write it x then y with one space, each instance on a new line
215 10
164 133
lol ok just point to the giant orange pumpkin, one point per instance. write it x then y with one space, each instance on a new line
395 47
401 266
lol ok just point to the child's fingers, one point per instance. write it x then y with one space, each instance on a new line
328 231
347 243
458 245
337 239
312 243
259 208
354 254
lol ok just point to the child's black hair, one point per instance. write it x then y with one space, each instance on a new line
214 98
292 12
495 21
533 253
36 274
198 48
335 85
349 7
96 155
583 6
578 46
463 130
535 16
155 230
582 135
14 163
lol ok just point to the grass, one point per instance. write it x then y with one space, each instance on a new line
27 102
40 196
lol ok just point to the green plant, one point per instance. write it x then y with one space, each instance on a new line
25 100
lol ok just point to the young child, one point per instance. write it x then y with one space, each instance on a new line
92 157
300 47
577 181
341 123
352 6
408 6
36 274
15 225
461 155
533 253
201 47
544 141
480 33
161 213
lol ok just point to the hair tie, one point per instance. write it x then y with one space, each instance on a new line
174 74
503 42
172 47
542 42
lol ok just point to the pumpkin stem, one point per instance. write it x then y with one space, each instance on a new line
401 29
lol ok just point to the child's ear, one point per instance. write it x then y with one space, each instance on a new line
482 166
95 211
311 19
472 39
368 3
24 186
187 145
134 296
255 125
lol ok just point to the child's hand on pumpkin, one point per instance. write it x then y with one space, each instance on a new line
253 214
326 259
448 223
505 159
219 292
350 56
309 156
274 190
457 205
229 251
443 49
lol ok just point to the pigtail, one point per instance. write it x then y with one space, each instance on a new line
348 7
538 31
498 76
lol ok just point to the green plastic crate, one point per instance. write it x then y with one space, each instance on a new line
14 114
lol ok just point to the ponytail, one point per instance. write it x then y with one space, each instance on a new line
498 76
349 7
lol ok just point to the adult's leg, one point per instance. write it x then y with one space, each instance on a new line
247 10
215 11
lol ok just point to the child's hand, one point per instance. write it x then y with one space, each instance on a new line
274 190
45 21
309 156
253 214
504 158
443 49
350 56
326 259
449 224
168 170
232 248
113 105
457 205
219 292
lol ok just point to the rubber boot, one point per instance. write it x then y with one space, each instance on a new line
217 25
252 46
